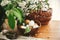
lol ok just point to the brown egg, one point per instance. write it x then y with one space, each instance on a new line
27 21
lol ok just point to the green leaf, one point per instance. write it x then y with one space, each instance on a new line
18 14
39 6
21 11
11 21
8 7
27 30
46 0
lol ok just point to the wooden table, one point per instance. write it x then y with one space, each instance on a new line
50 31
45 32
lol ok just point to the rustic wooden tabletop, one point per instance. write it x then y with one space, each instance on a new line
50 31
46 32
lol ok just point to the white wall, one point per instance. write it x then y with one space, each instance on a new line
55 4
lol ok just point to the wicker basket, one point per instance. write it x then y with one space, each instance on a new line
41 16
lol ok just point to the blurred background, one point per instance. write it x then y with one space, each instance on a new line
55 5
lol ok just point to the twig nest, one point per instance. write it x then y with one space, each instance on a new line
32 24
28 27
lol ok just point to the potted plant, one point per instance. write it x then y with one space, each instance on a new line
14 14
42 13
16 10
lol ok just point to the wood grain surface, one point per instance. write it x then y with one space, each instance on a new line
45 32
50 31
